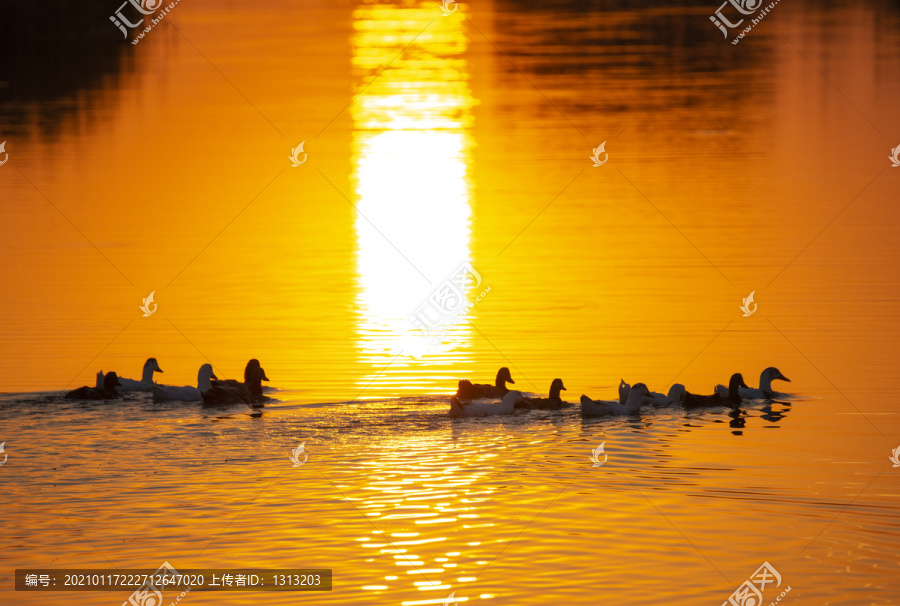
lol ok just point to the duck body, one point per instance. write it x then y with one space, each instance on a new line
485 409
467 390
145 384
554 402
638 396
234 392
108 392
733 399
186 393
764 391
675 396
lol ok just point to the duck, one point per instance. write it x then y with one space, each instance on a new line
765 391
108 392
638 395
675 395
624 390
732 400
186 393
554 402
485 409
233 392
475 391
145 384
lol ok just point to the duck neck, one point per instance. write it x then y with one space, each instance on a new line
765 383
554 393
204 383
500 382
147 377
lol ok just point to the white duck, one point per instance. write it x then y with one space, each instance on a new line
675 395
765 390
145 384
485 409
638 395
186 393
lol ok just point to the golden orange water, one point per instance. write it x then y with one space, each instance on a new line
436 143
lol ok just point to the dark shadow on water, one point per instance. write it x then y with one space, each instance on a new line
57 56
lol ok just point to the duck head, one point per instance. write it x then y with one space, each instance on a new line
111 381
639 395
205 376
768 375
734 385
555 387
250 370
150 367
642 389
503 377
624 389
677 393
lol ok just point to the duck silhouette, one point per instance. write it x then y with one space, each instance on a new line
732 400
474 391
233 392
108 392
553 402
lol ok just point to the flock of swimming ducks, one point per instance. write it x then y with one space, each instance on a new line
471 399
475 400
210 390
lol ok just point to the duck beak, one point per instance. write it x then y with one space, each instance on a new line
563 387
744 385
264 377
158 369
783 378
510 380
213 376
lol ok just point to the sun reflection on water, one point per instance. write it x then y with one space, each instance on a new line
419 497
412 180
